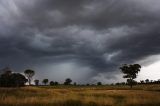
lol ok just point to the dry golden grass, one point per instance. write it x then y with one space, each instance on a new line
81 96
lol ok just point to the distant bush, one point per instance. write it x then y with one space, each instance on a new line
52 83
36 82
67 81
45 81
75 84
99 83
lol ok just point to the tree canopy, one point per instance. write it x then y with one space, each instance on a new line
29 74
130 72
45 81
67 81
36 82
9 79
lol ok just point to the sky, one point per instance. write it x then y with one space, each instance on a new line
85 40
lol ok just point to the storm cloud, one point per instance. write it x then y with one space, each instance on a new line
86 40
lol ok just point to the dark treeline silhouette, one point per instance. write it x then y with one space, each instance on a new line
142 82
10 79
99 83
147 81
67 81
52 83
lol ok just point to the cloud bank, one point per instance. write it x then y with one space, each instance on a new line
86 40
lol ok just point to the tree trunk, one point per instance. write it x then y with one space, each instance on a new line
29 81
131 84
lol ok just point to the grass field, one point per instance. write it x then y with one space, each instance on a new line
144 95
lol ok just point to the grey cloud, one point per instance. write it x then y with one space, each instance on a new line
96 35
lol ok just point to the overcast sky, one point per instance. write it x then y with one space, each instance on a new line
85 40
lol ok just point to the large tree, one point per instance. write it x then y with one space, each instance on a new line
9 79
130 72
29 74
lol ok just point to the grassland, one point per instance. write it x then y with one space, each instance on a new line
144 95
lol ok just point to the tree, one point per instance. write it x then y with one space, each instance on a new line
131 82
147 81
29 74
123 83
142 81
52 83
36 82
88 84
45 81
9 79
67 81
18 80
130 72
99 83
75 84
56 83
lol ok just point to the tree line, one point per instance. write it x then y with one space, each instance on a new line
11 79
52 83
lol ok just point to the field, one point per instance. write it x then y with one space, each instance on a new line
142 95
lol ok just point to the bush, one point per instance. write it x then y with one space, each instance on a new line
9 79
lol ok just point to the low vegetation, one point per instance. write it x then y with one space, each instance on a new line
142 95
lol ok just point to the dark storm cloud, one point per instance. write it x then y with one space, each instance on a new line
96 35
